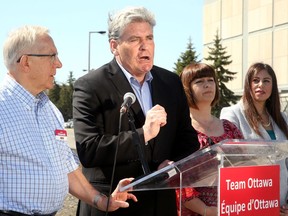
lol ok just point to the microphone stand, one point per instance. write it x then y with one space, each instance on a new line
140 150
136 141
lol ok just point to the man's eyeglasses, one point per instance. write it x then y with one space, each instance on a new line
39 55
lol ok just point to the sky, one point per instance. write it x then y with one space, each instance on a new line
71 21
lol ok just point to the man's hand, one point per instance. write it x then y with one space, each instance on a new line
117 199
156 117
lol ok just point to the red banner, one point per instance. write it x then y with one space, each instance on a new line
248 191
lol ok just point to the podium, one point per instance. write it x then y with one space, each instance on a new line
201 168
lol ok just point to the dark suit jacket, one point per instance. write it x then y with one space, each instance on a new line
97 98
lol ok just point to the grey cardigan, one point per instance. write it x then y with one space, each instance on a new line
235 114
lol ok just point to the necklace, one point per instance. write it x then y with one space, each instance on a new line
266 125
262 121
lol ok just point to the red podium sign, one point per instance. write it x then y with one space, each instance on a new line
248 191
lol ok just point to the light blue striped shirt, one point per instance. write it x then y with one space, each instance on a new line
143 92
33 163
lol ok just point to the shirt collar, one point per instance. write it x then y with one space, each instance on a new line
22 94
130 77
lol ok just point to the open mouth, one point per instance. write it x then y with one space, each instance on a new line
145 58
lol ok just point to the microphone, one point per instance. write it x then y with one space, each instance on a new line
129 98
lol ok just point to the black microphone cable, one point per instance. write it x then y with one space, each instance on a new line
114 163
129 98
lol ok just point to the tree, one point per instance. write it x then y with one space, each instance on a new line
220 59
71 79
186 58
62 95
65 102
54 94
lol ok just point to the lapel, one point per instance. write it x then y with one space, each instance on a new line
158 90
123 86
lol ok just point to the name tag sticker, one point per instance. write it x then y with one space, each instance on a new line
61 134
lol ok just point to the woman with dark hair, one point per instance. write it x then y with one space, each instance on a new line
202 92
258 113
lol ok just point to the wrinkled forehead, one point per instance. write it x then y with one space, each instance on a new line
135 28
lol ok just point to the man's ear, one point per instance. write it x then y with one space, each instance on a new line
114 47
24 63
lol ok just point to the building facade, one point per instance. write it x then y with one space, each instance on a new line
251 31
